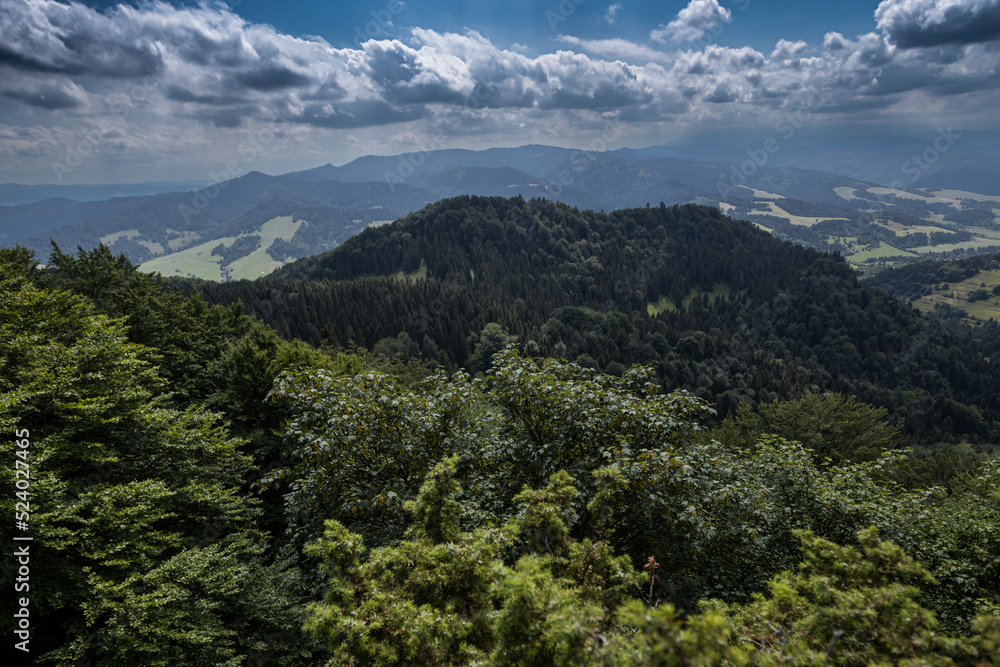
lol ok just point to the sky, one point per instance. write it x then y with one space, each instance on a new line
109 92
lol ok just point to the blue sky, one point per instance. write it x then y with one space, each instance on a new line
758 23
108 92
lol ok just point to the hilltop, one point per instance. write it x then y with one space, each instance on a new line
718 306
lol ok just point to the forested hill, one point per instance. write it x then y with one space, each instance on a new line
719 306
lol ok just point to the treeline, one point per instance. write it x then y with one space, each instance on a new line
578 285
912 281
241 247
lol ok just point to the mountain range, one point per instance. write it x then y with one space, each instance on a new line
874 200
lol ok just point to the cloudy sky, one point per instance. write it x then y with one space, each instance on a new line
97 92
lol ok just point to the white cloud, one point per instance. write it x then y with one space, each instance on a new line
611 13
206 74
692 22
208 64
834 41
786 50
617 48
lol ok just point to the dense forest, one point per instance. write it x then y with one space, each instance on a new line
740 316
914 280
502 432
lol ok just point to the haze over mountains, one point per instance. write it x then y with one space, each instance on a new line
863 196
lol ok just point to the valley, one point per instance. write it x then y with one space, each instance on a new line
205 262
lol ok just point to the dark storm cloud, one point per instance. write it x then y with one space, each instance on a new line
922 23
358 114
210 64
47 97
179 94
72 39
272 78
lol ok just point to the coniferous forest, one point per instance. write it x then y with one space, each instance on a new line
503 431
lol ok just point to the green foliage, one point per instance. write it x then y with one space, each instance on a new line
718 520
664 638
182 336
833 427
241 247
143 551
956 537
435 510
542 621
445 597
364 445
473 600
941 465
845 607
487 343
426 601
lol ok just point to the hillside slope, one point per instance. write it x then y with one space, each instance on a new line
159 226
719 306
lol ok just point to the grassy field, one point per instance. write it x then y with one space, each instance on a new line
867 257
108 239
181 239
883 251
904 230
414 276
929 198
947 247
845 192
764 194
153 247
962 194
801 220
985 233
199 262
957 295
665 304
259 263
194 262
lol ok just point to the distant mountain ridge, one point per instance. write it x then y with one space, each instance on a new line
13 194
150 227
796 190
